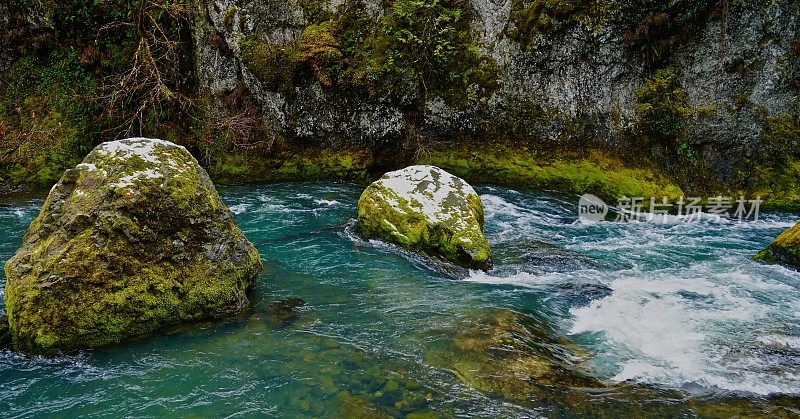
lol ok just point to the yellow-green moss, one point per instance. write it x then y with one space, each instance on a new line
778 185
541 16
417 48
295 165
595 172
785 249
5 332
315 51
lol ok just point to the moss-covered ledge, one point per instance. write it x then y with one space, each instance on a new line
778 186
594 172
604 173
297 165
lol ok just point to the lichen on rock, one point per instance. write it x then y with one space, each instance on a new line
424 208
785 249
133 239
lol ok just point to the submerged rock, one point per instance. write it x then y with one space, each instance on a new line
133 239
515 357
424 208
785 249
282 313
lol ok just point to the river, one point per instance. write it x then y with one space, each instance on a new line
675 306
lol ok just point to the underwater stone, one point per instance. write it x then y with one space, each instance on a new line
516 357
284 312
133 239
423 208
785 249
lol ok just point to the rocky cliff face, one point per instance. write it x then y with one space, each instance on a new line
697 82
705 89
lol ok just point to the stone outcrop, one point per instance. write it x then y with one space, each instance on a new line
785 249
565 73
426 209
132 239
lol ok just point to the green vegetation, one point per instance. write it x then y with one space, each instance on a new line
772 169
100 70
663 106
785 249
542 16
315 11
315 52
777 184
782 134
46 122
657 27
419 48
662 110
302 164
593 172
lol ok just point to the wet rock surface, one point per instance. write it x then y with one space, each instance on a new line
784 250
424 208
133 239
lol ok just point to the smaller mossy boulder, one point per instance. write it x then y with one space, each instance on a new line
785 249
133 239
424 208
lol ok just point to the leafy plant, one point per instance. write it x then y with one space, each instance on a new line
658 26
685 152
418 48
663 106
538 16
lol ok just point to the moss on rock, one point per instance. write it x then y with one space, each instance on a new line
777 185
424 208
132 239
785 249
594 172
507 354
294 165
416 49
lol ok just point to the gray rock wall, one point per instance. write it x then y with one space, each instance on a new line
581 79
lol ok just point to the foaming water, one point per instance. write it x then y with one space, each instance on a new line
673 305
685 307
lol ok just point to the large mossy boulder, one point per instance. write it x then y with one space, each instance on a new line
133 239
785 249
424 208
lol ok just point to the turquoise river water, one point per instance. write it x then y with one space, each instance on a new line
678 308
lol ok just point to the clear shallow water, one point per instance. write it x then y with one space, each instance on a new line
674 306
